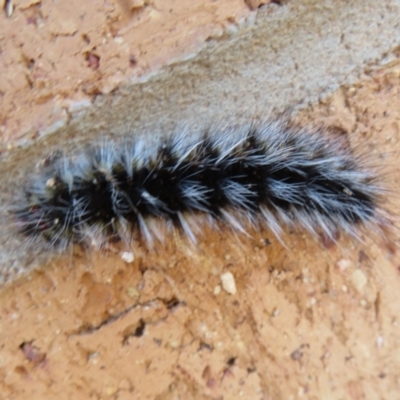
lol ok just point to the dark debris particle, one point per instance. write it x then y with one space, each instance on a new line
362 257
298 354
140 329
86 38
231 361
172 303
279 2
133 61
93 61
205 346
32 353
133 331
255 4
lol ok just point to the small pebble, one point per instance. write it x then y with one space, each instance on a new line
128 257
217 290
228 282
359 280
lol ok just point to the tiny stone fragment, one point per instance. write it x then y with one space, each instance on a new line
217 290
228 282
359 280
343 264
9 8
128 257
32 353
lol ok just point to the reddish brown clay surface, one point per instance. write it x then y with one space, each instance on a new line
53 55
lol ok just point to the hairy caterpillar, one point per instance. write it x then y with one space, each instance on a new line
270 173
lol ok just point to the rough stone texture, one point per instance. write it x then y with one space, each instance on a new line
309 322
57 57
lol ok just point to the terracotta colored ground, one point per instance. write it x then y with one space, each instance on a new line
310 322
56 58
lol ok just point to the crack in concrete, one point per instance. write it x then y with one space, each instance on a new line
87 330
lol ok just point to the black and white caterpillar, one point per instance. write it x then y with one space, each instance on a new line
271 174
